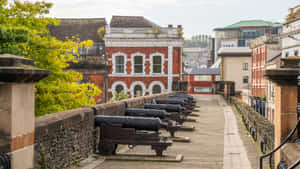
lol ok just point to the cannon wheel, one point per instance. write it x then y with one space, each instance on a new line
108 148
158 149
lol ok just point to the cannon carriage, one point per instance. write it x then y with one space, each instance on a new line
130 131
162 114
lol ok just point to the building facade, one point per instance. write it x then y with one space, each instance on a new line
291 33
236 67
145 58
200 81
241 33
263 49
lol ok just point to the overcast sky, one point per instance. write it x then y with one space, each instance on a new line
196 16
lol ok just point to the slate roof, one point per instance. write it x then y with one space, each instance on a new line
86 28
250 23
131 22
205 71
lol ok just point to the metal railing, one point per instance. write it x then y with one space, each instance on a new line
4 161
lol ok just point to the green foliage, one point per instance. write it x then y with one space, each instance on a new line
101 32
23 31
119 96
180 32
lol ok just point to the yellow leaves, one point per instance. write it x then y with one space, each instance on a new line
101 32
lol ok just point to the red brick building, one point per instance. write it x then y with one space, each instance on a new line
263 48
145 58
200 81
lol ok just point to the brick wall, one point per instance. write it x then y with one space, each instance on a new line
63 139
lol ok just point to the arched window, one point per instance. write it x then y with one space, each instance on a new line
119 64
138 91
156 89
119 88
138 64
157 64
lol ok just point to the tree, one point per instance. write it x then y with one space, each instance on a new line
119 96
24 32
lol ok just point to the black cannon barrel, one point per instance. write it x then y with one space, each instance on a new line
162 114
167 107
171 101
183 96
138 123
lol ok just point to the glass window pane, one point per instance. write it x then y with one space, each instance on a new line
156 69
138 60
119 59
138 91
157 64
156 89
138 68
119 88
157 60
138 64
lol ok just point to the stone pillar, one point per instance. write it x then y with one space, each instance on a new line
285 114
17 77
285 104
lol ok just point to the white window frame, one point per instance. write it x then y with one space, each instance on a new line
114 62
152 84
203 76
137 83
162 63
115 84
132 62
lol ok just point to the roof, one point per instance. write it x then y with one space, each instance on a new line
250 23
85 28
234 51
131 22
205 71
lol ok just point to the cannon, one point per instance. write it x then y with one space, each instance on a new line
162 114
130 131
181 101
186 96
177 111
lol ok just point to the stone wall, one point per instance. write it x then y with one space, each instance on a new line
65 138
261 129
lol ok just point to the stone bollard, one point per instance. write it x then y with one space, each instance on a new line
17 77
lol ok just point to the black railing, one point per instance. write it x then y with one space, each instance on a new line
5 161
297 127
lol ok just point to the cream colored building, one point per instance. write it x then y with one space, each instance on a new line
236 67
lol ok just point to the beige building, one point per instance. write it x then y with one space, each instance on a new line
236 67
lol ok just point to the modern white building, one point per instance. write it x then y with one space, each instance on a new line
291 33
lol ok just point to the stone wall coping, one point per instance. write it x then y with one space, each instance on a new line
59 116
282 75
18 69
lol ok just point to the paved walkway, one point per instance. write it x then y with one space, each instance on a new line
208 150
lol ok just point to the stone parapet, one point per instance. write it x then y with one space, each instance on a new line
63 139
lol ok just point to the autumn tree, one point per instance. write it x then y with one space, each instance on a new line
24 32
